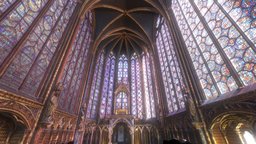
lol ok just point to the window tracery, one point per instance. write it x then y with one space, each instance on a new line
95 88
171 73
148 88
121 101
136 87
4 5
75 66
16 23
108 87
123 69
218 36
27 69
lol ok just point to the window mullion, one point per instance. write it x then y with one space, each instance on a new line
166 86
11 55
95 86
44 45
201 53
77 78
115 83
149 79
169 67
163 70
136 90
218 46
236 26
142 89
147 88
108 87
9 9
101 84
109 79
174 56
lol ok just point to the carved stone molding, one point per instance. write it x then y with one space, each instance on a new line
122 87
64 121
235 108
26 109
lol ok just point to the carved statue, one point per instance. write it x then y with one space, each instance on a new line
51 105
110 132
83 111
82 116
192 109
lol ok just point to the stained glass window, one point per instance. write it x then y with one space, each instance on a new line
95 88
30 64
171 74
122 101
148 88
238 50
5 4
108 87
17 22
123 69
136 87
75 66
242 13
220 38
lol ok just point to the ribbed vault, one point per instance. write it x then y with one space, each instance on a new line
124 26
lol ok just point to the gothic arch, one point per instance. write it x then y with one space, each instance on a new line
12 128
19 110
122 88
229 127
124 120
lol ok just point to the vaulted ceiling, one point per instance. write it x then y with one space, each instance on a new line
124 26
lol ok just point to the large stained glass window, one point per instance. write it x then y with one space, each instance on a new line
75 66
16 22
5 4
136 87
30 64
220 38
148 88
123 69
108 87
122 101
171 73
95 88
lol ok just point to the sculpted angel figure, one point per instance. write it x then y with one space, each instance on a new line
52 104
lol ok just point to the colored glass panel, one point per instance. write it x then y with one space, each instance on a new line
123 69
108 87
235 46
171 74
5 4
16 23
148 88
75 67
29 65
95 88
122 101
136 89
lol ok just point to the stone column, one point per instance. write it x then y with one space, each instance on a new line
92 133
26 136
132 134
110 132
100 141
39 132
199 126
